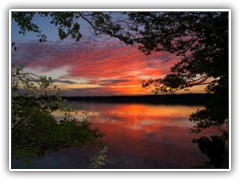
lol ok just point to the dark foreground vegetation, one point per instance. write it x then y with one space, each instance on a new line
199 39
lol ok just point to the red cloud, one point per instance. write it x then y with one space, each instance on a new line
103 61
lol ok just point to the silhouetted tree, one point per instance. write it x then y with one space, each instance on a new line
216 148
200 39
68 24
34 127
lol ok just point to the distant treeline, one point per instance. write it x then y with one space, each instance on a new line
194 99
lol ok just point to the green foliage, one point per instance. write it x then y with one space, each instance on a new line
34 127
199 39
100 160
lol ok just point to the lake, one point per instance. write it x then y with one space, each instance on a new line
138 136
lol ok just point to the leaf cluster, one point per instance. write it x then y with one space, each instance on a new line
34 127
216 148
199 39
100 160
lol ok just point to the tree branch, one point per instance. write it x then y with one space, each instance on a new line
89 22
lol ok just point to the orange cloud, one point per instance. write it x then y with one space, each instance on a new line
101 62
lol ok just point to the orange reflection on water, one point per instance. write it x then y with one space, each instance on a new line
141 114
142 136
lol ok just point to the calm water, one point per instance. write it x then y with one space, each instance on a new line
138 136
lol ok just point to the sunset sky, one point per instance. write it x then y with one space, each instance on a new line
97 65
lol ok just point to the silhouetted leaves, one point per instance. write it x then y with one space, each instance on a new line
199 39
216 148
35 129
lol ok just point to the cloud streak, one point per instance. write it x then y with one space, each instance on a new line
64 81
108 82
99 60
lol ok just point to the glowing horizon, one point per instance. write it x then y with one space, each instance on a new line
95 66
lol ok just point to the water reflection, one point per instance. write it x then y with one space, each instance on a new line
148 136
216 148
138 136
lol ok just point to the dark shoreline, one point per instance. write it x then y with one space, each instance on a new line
191 99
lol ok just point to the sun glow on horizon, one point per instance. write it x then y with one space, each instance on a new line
93 68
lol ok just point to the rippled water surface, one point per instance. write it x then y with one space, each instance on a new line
138 136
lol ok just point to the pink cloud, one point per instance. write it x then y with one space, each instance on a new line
104 61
